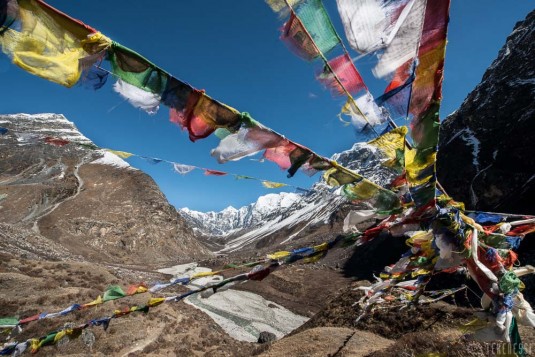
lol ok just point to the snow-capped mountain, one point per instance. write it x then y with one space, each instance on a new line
286 216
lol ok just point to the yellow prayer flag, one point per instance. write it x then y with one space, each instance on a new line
62 334
392 145
473 326
414 167
270 184
155 301
362 190
420 272
391 141
141 289
321 247
121 154
203 274
313 259
34 345
45 44
278 255
96 43
97 301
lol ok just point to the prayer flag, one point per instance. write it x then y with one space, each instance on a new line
270 184
369 23
139 98
136 70
318 25
340 75
183 169
208 172
56 141
47 43
404 45
121 154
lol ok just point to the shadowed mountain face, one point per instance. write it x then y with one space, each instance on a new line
83 202
486 147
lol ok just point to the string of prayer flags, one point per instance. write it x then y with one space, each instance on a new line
310 33
115 292
179 168
412 36
425 103
257 273
190 108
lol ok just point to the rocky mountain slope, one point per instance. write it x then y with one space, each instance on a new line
80 201
486 147
286 218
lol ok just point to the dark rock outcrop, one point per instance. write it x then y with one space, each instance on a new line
486 147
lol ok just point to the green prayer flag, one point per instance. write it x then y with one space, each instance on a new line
8 321
113 292
317 23
136 70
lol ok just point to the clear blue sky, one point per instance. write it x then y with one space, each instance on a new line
231 49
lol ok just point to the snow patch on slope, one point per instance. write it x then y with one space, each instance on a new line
243 315
111 159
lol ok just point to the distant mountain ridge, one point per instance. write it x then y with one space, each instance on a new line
285 217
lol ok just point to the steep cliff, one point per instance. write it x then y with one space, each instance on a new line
486 147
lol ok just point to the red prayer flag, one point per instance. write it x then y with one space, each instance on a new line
208 172
295 36
56 141
347 73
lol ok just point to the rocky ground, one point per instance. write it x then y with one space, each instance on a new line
323 293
